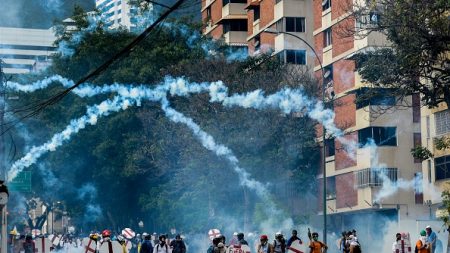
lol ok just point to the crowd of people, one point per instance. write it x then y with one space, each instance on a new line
426 243
278 245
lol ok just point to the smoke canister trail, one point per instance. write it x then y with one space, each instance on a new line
90 118
220 150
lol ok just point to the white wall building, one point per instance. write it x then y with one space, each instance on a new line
25 50
118 13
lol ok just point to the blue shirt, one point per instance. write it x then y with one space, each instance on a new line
432 237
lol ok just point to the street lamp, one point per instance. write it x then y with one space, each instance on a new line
324 76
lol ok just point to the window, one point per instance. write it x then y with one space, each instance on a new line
257 42
429 171
326 4
328 74
208 13
442 167
374 96
225 2
331 188
295 24
418 189
442 122
381 136
239 25
327 37
329 147
374 177
256 13
295 56
428 126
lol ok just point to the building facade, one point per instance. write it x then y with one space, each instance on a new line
436 170
25 50
356 190
252 24
118 13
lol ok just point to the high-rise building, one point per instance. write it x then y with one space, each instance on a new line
252 23
118 13
354 182
436 170
24 50
226 20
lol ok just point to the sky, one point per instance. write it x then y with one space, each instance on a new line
38 13
42 13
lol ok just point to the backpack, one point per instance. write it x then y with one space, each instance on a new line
416 250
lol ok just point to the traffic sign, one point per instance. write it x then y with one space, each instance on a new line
21 183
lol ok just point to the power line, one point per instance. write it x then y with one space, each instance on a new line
33 109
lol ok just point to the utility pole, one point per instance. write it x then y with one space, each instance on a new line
3 175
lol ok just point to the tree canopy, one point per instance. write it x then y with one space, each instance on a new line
141 166
417 58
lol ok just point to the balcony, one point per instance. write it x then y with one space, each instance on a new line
236 37
234 9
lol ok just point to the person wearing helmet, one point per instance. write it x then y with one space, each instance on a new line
279 244
241 240
234 240
106 234
315 245
264 246
146 246
162 247
122 242
421 244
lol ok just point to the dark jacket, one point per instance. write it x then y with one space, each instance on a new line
146 247
178 246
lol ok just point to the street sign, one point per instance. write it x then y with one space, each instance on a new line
21 183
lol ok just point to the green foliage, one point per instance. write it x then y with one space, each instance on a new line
442 143
421 153
146 167
446 206
418 57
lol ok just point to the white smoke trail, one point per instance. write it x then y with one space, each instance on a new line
91 118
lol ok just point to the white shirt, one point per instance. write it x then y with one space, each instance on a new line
162 249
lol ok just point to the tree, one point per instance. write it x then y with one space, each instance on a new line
143 165
417 59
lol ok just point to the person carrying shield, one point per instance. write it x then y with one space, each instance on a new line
317 246
293 238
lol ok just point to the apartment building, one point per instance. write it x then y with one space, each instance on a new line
226 20
118 13
25 50
354 186
436 170
252 24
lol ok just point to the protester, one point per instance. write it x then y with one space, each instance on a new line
146 246
28 245
234 240
279 244
343 246
264 246
293 238
162 247
178 245
431 238
241 240
315 245
421 244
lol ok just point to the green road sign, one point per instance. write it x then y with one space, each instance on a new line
22 183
